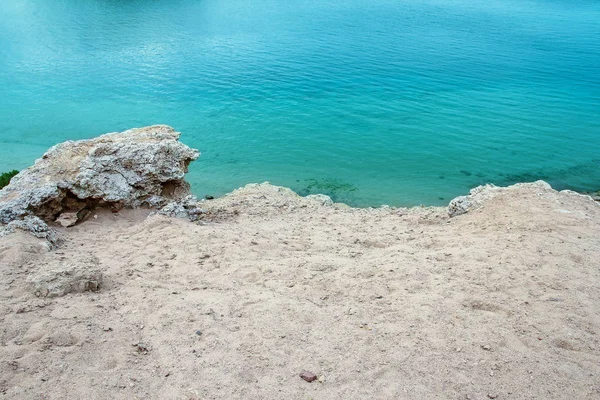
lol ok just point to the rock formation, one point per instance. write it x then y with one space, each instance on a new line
187 208
479 195
33 225
61 277
136 168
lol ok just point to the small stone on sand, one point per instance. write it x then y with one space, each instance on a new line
308 376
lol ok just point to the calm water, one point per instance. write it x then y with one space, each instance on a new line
373 101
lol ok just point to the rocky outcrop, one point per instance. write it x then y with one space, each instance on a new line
479 195
136 168
594 195
321 199
187 208
33 225
60 278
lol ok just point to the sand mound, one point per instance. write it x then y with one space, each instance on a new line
501 302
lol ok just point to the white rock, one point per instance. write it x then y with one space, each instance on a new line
479 195
322 199
188 208
138 167
67 219
61 278
35 226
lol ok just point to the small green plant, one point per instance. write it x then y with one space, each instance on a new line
5 177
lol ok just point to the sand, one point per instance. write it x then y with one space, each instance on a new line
502 302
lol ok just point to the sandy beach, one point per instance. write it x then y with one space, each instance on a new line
498 303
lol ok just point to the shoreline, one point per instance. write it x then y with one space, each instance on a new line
140 167
594 195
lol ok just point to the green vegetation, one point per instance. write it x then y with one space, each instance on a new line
6 176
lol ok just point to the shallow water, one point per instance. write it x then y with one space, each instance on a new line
372 101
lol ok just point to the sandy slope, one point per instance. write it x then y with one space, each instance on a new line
502 302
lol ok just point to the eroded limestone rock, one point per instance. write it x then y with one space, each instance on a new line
67 219
33 225
188 208
459 205
322 199
61 278
479 195
138 167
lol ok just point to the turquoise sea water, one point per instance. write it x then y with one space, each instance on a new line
374 101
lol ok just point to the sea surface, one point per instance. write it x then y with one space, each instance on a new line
371 101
